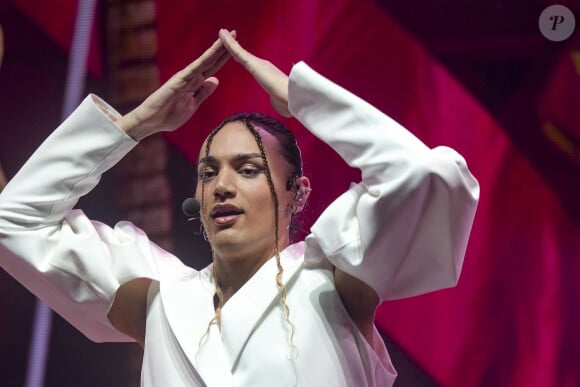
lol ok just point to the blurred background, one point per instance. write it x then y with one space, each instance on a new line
477 75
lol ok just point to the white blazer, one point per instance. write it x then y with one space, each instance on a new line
403 230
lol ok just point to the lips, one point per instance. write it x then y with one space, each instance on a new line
224 214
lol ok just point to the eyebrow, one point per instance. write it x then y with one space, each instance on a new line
237 158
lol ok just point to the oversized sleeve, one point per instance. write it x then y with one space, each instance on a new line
74 264
404 228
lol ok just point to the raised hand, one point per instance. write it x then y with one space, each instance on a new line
274 81
170 106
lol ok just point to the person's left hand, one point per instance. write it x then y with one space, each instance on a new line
272 79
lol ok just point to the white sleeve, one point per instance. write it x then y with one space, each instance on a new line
74 264
404 229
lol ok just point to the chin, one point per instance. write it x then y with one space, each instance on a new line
227 239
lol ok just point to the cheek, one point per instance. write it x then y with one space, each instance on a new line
257 197
280 180
198 191
258 193
284 195
203 199
198 194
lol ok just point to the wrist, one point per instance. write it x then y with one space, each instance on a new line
130 124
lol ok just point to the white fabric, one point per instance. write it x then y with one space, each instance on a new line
403 230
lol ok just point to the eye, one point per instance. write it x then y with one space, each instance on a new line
206 174
250 171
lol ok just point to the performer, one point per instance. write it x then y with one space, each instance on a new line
265 312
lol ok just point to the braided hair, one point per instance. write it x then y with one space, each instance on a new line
291 153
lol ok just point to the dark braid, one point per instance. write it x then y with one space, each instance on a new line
279 282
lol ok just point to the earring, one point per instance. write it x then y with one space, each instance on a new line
300 194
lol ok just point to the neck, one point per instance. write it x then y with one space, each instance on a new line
233 268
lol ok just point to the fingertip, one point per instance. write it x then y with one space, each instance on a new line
206 88
213 80
223 33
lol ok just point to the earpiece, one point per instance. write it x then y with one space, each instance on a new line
302 189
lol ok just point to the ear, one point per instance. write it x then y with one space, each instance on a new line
303 189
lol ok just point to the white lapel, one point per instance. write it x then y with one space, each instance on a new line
188 305
246 309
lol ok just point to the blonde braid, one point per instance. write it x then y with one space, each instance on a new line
218 291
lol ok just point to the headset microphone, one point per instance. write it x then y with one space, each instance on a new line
191 207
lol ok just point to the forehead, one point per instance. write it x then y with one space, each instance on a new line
235 139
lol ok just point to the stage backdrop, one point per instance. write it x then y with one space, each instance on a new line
512 320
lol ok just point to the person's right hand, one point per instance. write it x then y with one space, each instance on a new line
170 106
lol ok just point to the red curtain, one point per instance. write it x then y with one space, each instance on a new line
512 319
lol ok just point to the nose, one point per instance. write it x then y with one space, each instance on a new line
225 187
